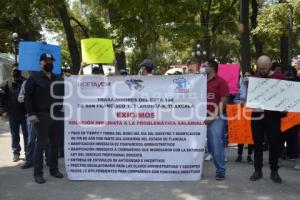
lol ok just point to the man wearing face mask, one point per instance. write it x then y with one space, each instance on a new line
266 122
9 106
38 101
217 97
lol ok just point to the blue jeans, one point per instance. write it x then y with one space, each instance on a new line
14 123
225 129
215 141
32 133
31 142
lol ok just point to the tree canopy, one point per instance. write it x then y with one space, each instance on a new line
164 30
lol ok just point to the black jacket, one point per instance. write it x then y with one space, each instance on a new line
38 98
9 92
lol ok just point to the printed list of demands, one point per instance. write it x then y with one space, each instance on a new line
128 152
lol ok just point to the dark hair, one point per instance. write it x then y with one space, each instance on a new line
214 64
15 65
98 70
250 71
148 64
177 73
275 65
123 72
290 70
149 69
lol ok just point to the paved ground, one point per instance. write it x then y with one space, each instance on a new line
17 184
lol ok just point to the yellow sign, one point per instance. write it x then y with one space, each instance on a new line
97 50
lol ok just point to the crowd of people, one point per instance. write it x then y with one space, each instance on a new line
265 124
27 103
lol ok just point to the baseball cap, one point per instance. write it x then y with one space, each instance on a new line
123 71
148 63
45 56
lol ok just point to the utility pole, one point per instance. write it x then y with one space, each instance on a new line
245 36
286 41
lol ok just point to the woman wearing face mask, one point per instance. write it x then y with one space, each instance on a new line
241 98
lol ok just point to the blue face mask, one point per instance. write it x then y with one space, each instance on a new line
246 79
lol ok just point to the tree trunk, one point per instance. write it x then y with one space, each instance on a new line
284 45
144 51
284 51
245 40
83 28
63 13
145 34
154 50
257 43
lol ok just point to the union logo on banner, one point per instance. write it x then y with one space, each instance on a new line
181 85
135 84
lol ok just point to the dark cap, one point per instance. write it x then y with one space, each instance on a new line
97 69
148 63
123 72
45 56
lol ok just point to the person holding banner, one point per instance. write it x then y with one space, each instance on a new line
217 97
39 100
264 121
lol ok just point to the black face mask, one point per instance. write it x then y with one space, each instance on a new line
16 74
48 67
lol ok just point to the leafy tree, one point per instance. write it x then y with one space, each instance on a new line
273 22
18 16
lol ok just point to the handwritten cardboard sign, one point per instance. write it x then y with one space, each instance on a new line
29 55
291 120
239 124
273 94
230 73
97 50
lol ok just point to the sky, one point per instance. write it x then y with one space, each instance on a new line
49 36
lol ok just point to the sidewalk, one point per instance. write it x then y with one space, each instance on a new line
18 184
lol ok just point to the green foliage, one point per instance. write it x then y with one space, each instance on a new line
273 23
20 16
164 29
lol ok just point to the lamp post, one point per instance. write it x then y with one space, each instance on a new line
197 53
15 40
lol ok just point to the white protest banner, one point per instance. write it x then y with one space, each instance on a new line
273 94
135 127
